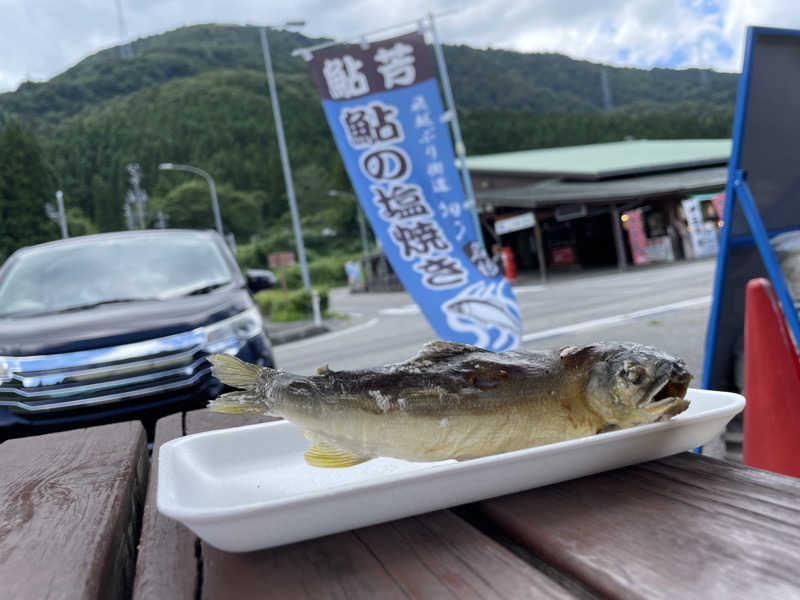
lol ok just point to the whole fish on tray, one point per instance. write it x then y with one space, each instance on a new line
458 401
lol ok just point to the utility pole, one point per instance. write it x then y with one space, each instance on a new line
608 102
452 116
127 210
138 195
287 172
125 51
62 218
57 214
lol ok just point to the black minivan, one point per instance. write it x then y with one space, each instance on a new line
117 326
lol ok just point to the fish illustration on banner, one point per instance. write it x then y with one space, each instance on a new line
383 106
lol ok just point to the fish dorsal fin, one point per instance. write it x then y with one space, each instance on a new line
330 457
439 350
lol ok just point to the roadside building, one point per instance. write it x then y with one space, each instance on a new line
600 205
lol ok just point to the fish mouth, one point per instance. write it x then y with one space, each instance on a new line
669 388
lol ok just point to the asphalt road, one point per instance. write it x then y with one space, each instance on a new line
665 306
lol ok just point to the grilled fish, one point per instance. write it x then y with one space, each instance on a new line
454 401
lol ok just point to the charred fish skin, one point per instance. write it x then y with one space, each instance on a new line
458 401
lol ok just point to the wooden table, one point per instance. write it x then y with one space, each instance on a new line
684 527
70 508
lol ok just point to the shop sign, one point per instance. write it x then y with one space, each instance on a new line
278 260
719 203
636 237
704 239
564 256
516 223
659 249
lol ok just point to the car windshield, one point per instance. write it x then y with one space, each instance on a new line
61 278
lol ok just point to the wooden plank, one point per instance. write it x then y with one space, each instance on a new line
169 553
166 566
432 556
70 504
436 555
205 420
686 526
336 566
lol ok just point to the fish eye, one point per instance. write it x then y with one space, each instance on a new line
635 374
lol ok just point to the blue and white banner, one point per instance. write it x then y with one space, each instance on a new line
383 106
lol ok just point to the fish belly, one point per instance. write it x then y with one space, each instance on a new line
399 434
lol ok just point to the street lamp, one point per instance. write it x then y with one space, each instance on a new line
287 172
359 212
211 187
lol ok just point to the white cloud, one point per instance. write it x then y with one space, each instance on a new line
41 38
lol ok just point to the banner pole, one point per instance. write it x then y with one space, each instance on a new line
461 151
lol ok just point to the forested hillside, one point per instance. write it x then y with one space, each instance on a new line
198 96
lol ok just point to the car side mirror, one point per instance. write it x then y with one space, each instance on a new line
260 279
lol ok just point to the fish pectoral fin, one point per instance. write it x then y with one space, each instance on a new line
331 457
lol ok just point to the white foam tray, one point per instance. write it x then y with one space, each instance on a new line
248 488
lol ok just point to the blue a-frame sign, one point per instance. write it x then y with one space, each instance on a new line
762 196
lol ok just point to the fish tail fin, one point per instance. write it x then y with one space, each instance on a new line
237 403
238 374
234 372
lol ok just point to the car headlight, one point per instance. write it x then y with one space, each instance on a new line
231 334
5 374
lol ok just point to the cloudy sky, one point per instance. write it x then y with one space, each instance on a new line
41 38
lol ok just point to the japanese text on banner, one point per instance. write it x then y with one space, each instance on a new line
384 109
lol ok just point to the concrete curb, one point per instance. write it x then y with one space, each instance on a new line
294 333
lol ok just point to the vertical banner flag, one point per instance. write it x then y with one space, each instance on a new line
704 240
636 237
718 201
382 103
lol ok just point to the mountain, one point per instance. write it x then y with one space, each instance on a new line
198 96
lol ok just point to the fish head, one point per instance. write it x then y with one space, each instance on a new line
631 384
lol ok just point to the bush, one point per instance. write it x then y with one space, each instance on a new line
292 305
327 272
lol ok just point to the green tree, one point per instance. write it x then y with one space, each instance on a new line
188 206
26 184
197 96
78 223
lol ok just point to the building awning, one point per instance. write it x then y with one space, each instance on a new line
600 161
552 192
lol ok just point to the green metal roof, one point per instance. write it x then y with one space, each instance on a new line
605 160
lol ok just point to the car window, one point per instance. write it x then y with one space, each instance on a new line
56 278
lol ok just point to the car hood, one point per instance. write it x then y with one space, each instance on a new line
115 324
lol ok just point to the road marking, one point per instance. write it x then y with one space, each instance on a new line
408 309
638 314
326 336
528 288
